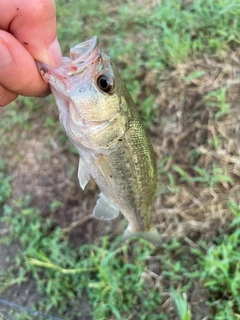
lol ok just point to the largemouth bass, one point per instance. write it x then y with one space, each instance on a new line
101 120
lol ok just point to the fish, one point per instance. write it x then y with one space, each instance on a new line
102 122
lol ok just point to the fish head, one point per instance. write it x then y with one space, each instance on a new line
87 91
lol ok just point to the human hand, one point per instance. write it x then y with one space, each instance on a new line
27 33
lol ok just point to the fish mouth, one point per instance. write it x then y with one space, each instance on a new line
83 55
82 50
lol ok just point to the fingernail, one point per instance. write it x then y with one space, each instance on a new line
5 56
55 54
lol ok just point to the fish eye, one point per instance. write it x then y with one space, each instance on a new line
106 83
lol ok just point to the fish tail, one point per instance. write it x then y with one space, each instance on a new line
152 235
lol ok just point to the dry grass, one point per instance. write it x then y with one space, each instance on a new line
186 124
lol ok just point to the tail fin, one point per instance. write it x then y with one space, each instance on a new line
152 236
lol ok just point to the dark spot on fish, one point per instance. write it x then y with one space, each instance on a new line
43 71
26 43
80 90
136 164
17 9
119 139
110 176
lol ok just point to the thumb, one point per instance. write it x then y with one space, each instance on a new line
34 25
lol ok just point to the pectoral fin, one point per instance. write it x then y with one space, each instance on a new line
83 174
106 170
104 210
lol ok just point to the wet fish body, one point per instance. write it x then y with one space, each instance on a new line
101 120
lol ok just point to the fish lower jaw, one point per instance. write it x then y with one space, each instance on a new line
90 126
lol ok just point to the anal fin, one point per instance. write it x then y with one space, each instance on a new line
105 210
83 174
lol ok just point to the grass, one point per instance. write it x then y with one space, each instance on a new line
222 273
182 305
179 61
110 276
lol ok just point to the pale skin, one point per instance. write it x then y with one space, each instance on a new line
28 32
